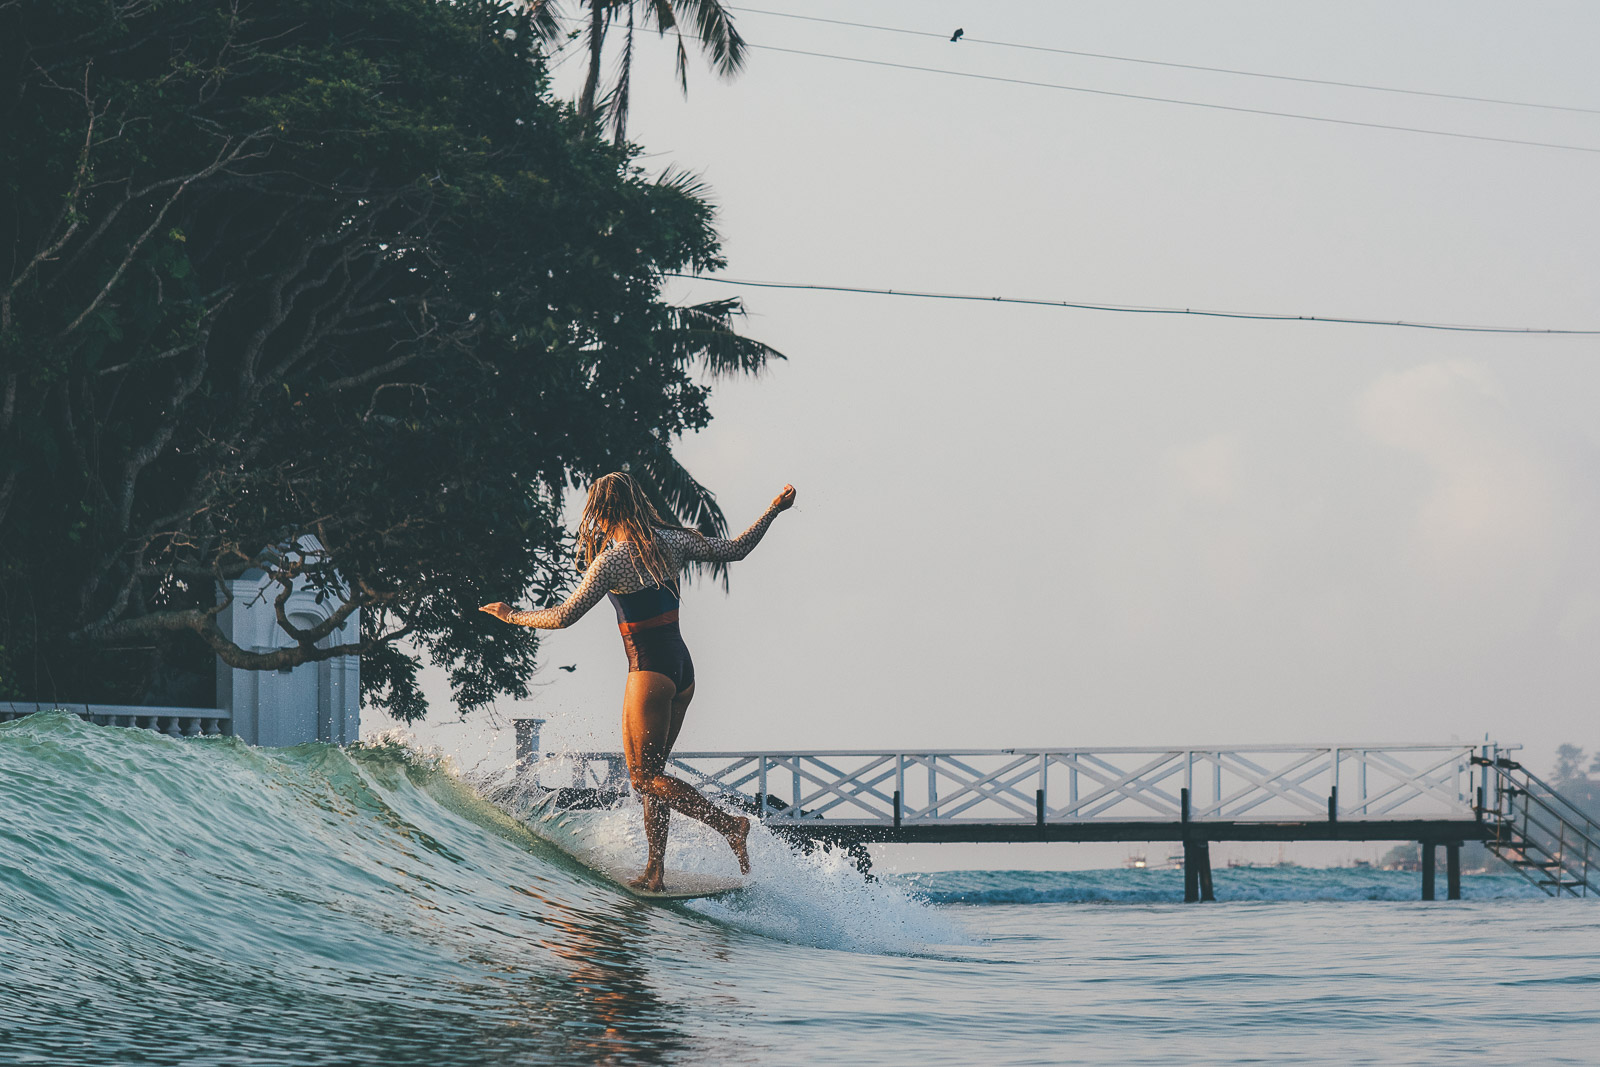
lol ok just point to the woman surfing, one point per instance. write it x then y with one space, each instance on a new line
629 554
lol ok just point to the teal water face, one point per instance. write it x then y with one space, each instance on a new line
198 901
202 902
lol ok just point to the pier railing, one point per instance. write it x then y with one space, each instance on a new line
1441 795
1043 786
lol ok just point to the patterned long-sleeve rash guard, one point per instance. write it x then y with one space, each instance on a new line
618 570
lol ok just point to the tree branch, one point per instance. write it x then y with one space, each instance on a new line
6 489
67 207
309 637
144 456
203 623
339 385
8 407
224 158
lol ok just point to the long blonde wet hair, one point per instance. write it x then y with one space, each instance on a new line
618 502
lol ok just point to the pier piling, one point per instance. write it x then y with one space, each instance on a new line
1197 872
1429 850
1452 870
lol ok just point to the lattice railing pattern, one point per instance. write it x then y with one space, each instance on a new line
1261 782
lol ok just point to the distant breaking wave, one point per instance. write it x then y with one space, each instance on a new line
1166 886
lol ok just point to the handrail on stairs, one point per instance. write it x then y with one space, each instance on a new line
1565 855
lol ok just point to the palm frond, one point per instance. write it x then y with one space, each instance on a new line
619 96
660 13
685 182
706 332
714 26
686 500
544 18
680 498
683 63
600 12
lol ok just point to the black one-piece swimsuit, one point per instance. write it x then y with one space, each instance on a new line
648 620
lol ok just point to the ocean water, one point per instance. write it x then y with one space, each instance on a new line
201 902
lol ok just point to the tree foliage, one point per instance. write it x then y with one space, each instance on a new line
709 22
339 267
1569 777
1569 764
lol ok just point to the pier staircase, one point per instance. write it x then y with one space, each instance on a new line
1538 832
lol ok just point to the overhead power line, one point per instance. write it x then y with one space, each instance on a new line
1154 99
965 40
1173 100
1135 309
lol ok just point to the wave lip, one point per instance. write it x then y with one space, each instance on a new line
818 899
1115 886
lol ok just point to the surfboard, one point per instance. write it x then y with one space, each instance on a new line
556 827
675 885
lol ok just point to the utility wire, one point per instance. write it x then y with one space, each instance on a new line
1135 309
1173 100
1163 63
1157 99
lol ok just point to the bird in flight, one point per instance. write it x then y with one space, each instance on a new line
957 35
569 670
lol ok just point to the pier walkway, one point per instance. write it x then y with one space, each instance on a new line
1438 795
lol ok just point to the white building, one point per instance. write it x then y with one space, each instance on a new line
312 702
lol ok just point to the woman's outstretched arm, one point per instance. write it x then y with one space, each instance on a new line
602 574
728 550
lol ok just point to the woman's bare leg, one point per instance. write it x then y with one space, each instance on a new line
658 813
652 715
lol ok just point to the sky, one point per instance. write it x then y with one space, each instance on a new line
1032 526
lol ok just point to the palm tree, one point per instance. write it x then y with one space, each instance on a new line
709 23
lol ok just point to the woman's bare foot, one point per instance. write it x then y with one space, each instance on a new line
736 841
650 881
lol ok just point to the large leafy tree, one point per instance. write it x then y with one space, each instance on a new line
709 23
331 267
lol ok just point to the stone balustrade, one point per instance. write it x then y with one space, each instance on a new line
174 722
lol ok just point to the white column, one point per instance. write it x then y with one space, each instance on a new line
311 702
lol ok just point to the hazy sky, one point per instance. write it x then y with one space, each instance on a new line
1024 526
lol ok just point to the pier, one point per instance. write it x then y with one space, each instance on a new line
1440 795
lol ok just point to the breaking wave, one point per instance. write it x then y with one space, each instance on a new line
163 900
1166 886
